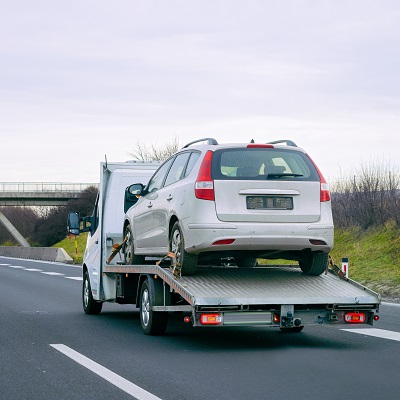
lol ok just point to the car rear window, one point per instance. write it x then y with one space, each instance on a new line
261 164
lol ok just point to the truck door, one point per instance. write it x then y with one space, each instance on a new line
92 253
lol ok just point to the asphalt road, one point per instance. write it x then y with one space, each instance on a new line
50 349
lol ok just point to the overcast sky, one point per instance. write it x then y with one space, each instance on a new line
89 78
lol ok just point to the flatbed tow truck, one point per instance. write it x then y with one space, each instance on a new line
278 296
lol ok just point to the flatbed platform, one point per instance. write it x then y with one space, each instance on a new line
232 286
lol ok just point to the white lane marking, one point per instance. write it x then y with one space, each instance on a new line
75 278
16 266
116 380
33 269
5 265
52 273
381 333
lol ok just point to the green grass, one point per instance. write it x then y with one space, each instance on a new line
69 245
374 257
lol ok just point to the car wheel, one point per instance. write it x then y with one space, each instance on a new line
152 322
130 257
315 264
246 262
186 261
90 306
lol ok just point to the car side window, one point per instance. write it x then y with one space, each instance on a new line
194 156
157 180
175 173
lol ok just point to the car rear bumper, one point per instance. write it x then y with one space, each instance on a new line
286 237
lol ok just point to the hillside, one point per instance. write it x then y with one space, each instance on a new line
374 256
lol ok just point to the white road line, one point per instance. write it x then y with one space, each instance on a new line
33 269
116 380
16 266
5 265
52 273
380 333
75 278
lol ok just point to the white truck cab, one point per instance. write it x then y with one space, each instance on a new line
106 228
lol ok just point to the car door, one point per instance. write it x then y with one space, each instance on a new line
143 222
166 203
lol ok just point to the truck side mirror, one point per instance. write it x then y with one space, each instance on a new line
132 194
73 223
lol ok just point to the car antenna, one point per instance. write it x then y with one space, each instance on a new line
106 166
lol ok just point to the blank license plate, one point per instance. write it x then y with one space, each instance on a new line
269 202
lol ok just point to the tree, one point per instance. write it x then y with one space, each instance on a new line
155 152
369 197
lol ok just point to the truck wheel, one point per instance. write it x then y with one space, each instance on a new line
315 264
90 306
152 322
187 261
246 262
130 257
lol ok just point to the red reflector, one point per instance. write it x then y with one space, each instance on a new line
223 241
210 319
186 319
376 317
262 145
355 318
317 242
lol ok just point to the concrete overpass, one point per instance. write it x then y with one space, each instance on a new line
40 193
36 194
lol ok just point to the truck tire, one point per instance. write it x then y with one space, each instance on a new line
90 306
130 258
315 264
186 261
152 322
246 262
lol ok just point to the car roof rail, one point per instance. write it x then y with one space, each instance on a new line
209 141
288 142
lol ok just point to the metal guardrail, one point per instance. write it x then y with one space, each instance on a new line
22 187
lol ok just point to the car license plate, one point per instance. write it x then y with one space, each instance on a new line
269 202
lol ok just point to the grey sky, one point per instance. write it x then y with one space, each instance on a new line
81 79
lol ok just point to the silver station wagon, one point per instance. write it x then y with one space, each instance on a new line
219 204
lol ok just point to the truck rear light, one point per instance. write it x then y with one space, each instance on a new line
276 318
223 241
210 319
204 186
376 317
354 317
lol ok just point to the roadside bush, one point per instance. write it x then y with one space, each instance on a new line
368 198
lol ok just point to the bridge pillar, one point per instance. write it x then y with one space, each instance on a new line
13 230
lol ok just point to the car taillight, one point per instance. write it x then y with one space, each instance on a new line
204 186
325 194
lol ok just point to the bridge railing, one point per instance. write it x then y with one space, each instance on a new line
44 186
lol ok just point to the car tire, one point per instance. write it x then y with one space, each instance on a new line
90 305
246 262
315 264
186 261
130 258
152 322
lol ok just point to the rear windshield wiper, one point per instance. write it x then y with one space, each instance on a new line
282 174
